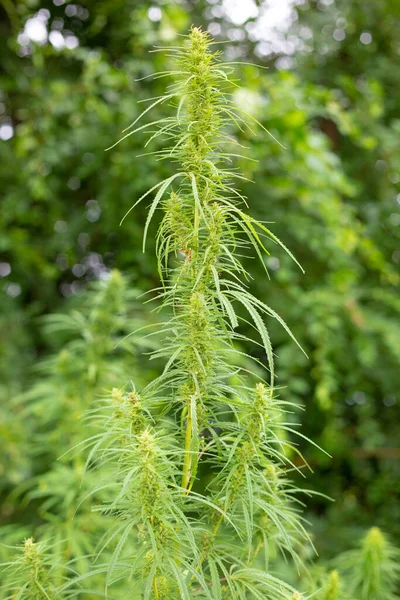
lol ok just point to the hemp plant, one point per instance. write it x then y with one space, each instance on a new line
197 462
30 576
371 571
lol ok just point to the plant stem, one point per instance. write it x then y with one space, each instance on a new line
156 596
188 457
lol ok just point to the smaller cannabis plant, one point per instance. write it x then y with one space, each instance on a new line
371 571
30 575
92 351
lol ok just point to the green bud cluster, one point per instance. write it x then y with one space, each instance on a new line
32 559
177 226
374 544
37 575
244 456
129 409
203 95
331 591
260 413
150 487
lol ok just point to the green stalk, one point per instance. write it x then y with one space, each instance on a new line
188 456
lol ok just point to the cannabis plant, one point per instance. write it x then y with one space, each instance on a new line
31 575
371 571
198 460
93 351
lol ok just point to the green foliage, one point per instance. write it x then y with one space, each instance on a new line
350 311
331 193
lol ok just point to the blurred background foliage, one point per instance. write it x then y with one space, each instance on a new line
71 79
